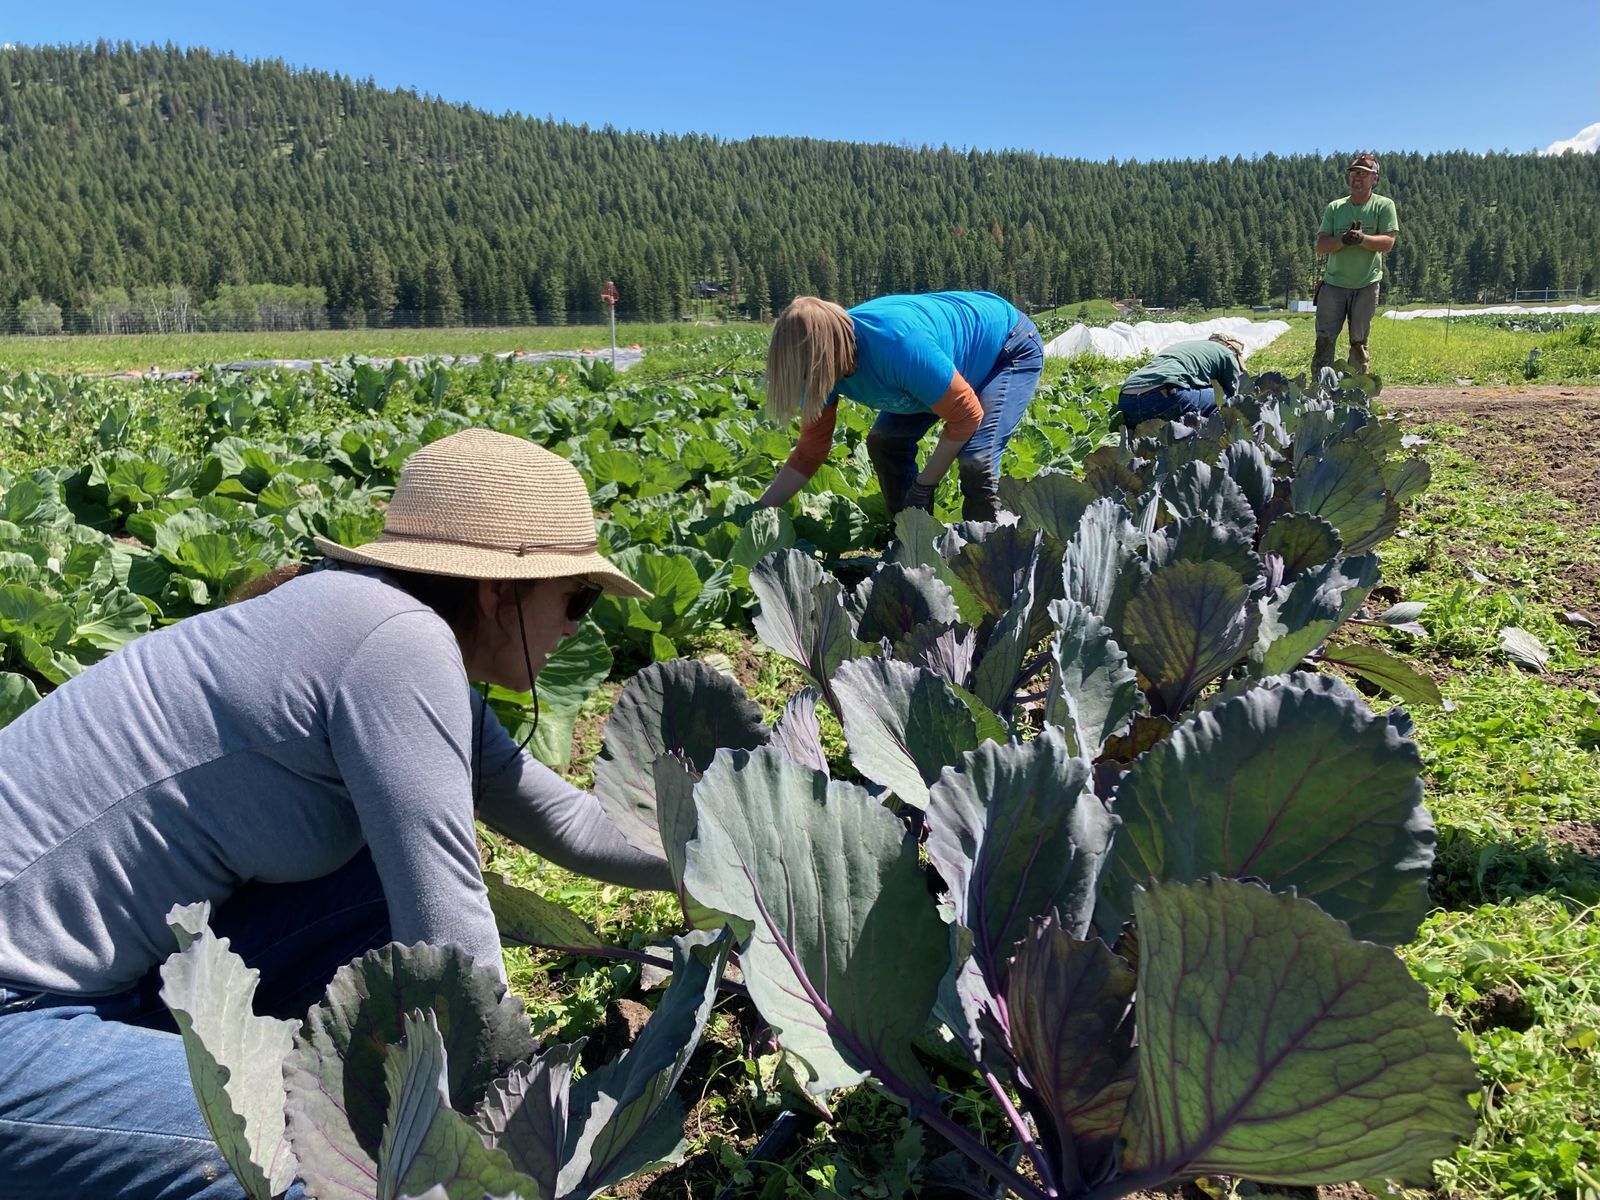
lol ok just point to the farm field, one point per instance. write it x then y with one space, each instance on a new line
204 485
1476 349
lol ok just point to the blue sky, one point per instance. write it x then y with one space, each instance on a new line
1106 79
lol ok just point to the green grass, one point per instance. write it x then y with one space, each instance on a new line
1512 755
1417 352
1540 1104
124 352
1428 351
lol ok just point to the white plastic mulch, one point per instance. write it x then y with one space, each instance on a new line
1490 311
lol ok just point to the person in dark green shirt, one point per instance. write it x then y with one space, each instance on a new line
1186 377
1356 231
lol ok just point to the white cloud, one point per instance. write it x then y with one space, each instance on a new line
1587 142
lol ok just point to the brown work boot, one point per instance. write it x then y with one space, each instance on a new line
1358 358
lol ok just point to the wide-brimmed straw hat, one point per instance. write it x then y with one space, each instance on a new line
1231 342
485 505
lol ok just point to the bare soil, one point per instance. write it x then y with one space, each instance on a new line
1532 439
1528 439
1583 837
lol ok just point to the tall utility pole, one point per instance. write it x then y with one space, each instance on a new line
609 295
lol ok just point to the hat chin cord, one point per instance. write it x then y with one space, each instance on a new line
483 715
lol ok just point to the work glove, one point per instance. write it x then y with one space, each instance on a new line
1352 236
920 495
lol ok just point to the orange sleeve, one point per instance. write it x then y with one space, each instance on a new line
816 439
961 410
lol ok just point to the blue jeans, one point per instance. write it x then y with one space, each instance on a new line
1166 403
1004 393
95 1097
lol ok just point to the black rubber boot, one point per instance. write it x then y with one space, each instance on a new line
1322 356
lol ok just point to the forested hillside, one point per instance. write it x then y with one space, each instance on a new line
148 185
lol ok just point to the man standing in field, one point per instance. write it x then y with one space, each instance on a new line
1356 231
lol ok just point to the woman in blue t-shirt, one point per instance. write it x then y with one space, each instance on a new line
968 358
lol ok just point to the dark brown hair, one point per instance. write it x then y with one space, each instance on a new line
455 599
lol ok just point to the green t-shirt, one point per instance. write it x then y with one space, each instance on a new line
1351 266
1188 365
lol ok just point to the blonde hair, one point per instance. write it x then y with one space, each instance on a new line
813 347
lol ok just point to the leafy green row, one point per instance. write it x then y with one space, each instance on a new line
166 530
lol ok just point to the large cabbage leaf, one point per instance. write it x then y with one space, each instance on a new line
1298 785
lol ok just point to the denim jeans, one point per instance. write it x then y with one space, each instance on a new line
95 1096
1004 394
1166 403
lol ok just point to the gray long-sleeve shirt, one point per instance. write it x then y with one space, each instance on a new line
268 741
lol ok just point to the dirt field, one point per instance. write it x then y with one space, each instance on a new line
1531 437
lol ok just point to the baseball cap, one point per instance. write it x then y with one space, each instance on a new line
1364 162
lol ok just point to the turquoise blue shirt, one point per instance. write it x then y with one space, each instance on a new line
908 348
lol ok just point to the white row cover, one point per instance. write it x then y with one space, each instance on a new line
1121 340
1498 308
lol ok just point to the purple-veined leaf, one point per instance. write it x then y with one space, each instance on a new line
921 541
1015 831
1094 693
999 566
1297 784
945 649
1104 471
336 1103
1054 502
1408 478
527 918
1002 668
798 733
895 599
1071 1010
525 1114
427 1144
1344 486
1522 648
1302 541
1198 489
1186 625
675 780
1274 1046
903 724
845 950
1204 539
1300 616
1394 675
1099 567
802 616
1403 616
684 707
1246 463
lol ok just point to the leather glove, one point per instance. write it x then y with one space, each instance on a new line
1353 235
920 495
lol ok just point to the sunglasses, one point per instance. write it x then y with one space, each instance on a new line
581 601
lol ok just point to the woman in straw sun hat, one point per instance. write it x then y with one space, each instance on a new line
309 761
